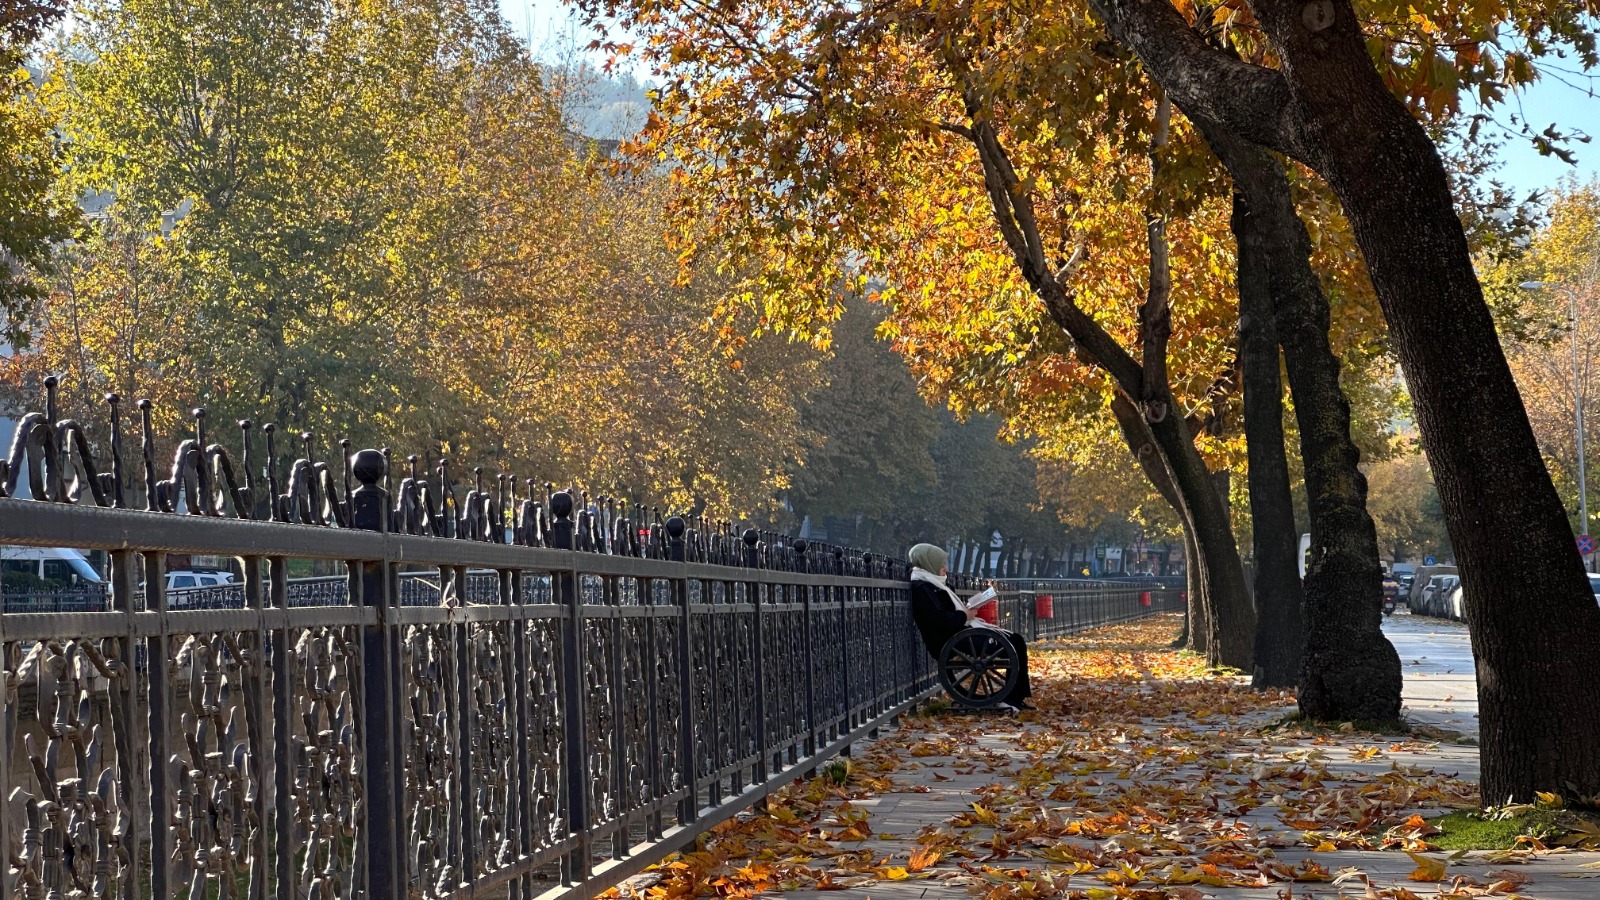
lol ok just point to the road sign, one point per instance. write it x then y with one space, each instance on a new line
1428 561
1585 544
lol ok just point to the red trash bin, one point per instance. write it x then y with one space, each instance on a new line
1144 598
1044 607
990 612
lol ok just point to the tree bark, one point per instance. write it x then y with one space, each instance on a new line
1227 595
1278 596
1351 671
1228 614
1192 638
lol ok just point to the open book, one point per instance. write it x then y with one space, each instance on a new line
985 596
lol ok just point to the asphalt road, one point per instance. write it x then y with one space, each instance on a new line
1440 682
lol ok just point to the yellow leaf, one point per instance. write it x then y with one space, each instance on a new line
1428 869
985 815
923 858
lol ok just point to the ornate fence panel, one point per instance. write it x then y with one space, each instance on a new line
497 696
1079 604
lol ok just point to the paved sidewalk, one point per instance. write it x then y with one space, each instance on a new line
1137 779
1441 688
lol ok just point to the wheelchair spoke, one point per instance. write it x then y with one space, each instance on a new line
959 678
982 687
996 680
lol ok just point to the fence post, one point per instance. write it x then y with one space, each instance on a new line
809 651
752 588
369 506
576 867
689 766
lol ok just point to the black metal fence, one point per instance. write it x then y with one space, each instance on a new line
86 599
1040 609
500 696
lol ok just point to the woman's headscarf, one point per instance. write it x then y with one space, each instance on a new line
928 557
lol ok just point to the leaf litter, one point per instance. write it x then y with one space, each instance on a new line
1142 776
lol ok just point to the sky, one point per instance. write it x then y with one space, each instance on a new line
547 24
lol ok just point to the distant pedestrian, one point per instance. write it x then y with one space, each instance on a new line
940 614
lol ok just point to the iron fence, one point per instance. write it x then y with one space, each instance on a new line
89 599
1040 609
500 697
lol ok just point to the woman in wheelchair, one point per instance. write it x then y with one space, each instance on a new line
940 616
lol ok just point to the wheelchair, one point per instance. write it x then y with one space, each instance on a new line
978 667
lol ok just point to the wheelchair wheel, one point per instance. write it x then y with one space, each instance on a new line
979 667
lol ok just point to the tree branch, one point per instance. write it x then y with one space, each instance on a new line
1155 314
1013 211
1204 81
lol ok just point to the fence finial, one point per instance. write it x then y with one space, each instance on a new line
561 520
676 528
369 503
117 501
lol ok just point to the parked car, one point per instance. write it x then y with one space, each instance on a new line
1422 600
1455 606
1405 574
189 579
1442 597
49 579
202 589
1435 595
1425 577
1594 585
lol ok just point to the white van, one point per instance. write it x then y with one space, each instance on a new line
59 566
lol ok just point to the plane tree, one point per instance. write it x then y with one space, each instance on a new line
1346 90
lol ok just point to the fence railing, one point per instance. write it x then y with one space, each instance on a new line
416 588
1040 609
526 698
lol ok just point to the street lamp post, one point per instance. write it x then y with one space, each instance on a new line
1577 399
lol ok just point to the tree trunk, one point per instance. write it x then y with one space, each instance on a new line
1535 628
1190 637
1142 381
1136 432
1221 621
1278 596
1230 639
1351 671
1231 618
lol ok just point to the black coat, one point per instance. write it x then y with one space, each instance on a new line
936 617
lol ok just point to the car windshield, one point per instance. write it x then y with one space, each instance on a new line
1594 583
